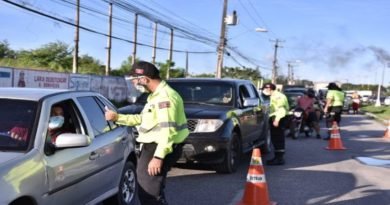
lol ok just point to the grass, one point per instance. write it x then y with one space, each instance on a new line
381 112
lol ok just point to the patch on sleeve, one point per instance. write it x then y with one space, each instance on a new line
165 104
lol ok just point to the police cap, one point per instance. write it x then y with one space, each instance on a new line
143 68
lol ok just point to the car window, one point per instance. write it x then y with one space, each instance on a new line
103 103
95 115
70 124
203 92
16 123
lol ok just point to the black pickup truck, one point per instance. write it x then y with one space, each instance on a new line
226 117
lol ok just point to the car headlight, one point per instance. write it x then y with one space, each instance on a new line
208 125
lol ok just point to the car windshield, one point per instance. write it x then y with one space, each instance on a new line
16 121
205 92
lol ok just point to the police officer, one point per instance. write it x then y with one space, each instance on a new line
162 129
334 106
278 111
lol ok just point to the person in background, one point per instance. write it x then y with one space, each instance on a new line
306 102
355 102
162 131
334 106
278 111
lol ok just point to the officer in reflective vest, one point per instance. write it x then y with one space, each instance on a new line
162 127
334 106
278 111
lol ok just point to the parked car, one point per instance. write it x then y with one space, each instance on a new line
387 100
226 118
347 105
93 161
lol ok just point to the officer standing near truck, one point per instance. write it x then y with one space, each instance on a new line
278 111
162 129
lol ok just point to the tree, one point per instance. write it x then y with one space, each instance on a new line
89 65
125 67
5 50
173 72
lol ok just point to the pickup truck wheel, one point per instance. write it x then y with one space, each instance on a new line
232 156
127 187
266 147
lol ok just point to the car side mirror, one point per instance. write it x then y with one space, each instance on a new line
251 102
68 140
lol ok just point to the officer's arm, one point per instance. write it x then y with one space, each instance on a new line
166 110
128 120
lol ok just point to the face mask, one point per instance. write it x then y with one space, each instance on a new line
56 122
141 88
266 92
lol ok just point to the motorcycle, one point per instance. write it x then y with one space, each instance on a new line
297 123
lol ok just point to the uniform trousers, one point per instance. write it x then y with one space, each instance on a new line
277 136
151 188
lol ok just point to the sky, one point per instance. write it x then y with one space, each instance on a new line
332 40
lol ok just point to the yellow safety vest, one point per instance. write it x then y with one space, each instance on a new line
162 120
279 105
336 96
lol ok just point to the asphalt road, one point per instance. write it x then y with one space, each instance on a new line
312 174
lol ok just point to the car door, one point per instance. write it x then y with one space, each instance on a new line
71 171
111 143
247 117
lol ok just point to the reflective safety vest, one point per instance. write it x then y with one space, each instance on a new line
161 121
279 105
336 96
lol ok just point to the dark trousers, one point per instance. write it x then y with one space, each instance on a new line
334 114
277 136
151 188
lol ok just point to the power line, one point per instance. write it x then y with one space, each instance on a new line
97 32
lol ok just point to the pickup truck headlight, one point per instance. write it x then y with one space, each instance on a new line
208 125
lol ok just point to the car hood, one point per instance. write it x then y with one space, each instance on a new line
204 111
7 156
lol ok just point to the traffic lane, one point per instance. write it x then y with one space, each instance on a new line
200 185
314 175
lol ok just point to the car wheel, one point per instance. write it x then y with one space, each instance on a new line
127 187
266 147
232 156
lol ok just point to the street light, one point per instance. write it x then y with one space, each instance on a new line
378 101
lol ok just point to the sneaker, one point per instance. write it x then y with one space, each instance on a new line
276 161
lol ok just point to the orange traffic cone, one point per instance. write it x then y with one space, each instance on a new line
387 131
335 140
256 189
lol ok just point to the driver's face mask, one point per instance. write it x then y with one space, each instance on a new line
56 122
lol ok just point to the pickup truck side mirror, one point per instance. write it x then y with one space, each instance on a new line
251 102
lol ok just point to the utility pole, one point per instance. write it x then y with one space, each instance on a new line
170 54
275 62
154 43
289 74
108 66
135 39
186 72
76 39
222 41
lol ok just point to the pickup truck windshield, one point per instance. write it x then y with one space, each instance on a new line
16 121
205 92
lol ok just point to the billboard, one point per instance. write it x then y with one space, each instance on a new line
40 79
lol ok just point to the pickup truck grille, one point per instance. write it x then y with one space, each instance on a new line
192 124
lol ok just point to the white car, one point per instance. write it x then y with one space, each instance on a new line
387 100
93 161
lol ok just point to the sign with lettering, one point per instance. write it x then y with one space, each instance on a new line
40 79
79 82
